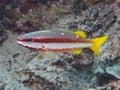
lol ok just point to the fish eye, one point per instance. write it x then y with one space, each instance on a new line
29 40
43 46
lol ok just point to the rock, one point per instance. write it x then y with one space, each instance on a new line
8 78
66 78
114 71
2 11
3 34
111 49
99 70
92 21
115 84
5 63
20 68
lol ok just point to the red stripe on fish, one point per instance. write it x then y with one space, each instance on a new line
60 40
61 50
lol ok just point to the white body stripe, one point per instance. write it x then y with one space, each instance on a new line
56 45
66 45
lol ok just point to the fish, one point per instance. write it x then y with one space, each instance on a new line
54 40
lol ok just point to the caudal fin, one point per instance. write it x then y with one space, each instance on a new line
97 43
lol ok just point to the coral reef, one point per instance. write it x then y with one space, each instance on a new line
3 34
114 70
23 69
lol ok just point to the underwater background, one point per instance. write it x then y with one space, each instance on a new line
21 69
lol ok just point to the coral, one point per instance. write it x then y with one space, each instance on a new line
30 15
2 11
6 75
27 5
114 71
115 84
65 78
3 34
36 82
21 69
84 4
97 18
13 15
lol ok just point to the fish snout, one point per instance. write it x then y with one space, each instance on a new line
21 41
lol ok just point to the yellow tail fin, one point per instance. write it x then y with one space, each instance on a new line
97 42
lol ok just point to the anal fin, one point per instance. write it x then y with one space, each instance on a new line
77 51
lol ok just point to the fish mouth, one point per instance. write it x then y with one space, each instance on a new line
24 44
20 42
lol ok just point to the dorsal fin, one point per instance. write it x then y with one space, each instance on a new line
80 33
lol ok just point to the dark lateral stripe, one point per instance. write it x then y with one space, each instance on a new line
61 50
59 40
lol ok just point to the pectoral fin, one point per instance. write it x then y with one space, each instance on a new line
46 52
77 51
